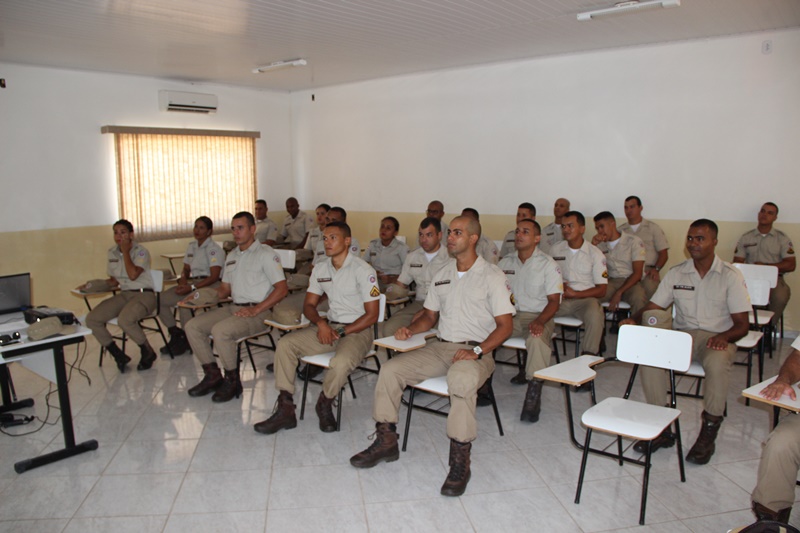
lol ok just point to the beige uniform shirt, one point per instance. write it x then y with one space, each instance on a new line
294 229
773 247
417 269
583 269
488 250
620 259
348 288
467 306
314 237
116 267
201 258
386 259
266 230
508 244
533 280
703 303
653 238
551 235
252 273
319 251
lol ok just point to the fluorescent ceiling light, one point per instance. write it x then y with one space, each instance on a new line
281 64
626 7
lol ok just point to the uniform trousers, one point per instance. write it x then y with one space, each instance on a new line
539 348
464 378
350 351
401 319
635 296
588 310
780 461
716 363
650 286
169 300
226 329
128 307
779 298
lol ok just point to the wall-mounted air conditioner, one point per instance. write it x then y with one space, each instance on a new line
187 102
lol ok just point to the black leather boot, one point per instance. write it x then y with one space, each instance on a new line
212 380
283 416
383 447
178 343
458 477
324 408
665 440
230 387
119 356
533 401
765 513
704 446
148 357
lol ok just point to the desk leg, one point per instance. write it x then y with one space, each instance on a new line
70 448
5 389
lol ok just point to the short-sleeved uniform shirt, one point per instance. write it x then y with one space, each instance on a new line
348 288
417 269
703 303
319 251
266 230
652 236
467 306
252 273
116 267
386 259
508 247
796 344
583 268
551 235
533 280
620 258
771 248
201 258
487 249
294 229
314 236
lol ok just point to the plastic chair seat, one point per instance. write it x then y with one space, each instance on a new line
628 418
568 321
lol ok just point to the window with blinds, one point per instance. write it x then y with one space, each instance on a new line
168 177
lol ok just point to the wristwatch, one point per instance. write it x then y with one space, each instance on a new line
477 351
340 331
193 287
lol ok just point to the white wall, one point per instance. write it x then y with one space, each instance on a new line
57 169
697 129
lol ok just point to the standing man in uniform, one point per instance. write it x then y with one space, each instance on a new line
526 210
551 234
386 253
253 278
766 245
711 304
655 243
537 286
419 267
625 257
471 299
583 268
486 247
266 229
296 225
352 289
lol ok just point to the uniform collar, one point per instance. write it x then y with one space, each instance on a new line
716 266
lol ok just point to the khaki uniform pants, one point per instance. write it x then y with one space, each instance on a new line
464 378
226 329
128 307
650 286
635 296
169 301
589 311
716 363
401 319
350 351
779 298
777 471
539 349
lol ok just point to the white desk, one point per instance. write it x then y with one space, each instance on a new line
784 402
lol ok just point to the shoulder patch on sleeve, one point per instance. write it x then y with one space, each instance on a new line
374 292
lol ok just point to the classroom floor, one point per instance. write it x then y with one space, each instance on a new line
168 462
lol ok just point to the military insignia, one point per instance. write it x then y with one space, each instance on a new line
790 251
605 273
652 321
374 292
513 301
141 253
277 259
354 249
192 255
372 279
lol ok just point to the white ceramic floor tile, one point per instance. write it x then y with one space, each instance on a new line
402 480
531 509
704 489
204 492
153 456
33 526
233 453
326 486
241 522
347 519
44 497
434 513
117 524
132 495
157 425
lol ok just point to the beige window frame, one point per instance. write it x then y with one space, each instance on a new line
166 177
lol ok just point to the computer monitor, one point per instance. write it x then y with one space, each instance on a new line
15 293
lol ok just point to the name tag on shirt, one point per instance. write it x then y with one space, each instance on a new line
509 272
442 282
683 287
324 280
559 259
416 265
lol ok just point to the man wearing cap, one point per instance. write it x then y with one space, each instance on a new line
472 301
386 253
351 286
526 210
296 225
253 278
551 233
266 229
655 243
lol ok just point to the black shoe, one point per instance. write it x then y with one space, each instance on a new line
324 409
519 379
665 440
230 388
383 447
178 343
148 357
283 416
119 356
484 396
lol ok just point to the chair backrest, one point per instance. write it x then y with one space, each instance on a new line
288 258
768 273
401 238
158 279
758 289
660 348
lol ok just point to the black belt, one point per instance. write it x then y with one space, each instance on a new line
470 343
247 304
137 290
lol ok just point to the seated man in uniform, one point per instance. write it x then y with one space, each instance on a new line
436 210
526 210
655 243
335 214
386 253
583 268
419 267
128 270
625 255
711 304
314 236
471 300
766 245
266 229
551 234
253 278
486 247
537 286
780 461
296 225
202 267
352 290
